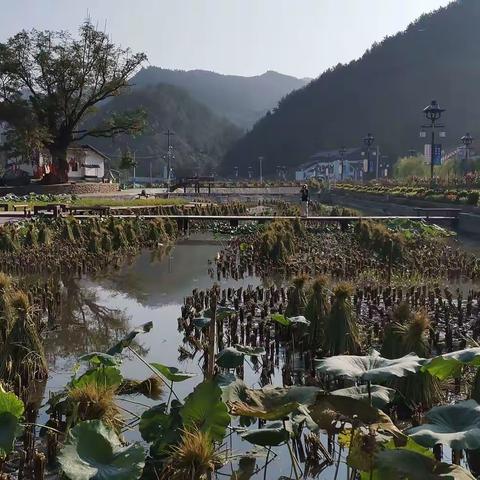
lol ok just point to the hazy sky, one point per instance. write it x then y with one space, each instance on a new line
245 37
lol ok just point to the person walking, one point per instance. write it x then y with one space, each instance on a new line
305 198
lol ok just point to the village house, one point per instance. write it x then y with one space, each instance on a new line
86 163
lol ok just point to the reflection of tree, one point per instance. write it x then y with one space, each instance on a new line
77 322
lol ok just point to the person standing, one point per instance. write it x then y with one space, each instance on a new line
305 198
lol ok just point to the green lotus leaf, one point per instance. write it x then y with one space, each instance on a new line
400 463
99 358
235 391
161 427
410 445
165 429
154 422
373 368
268 403
230 357
381 396
281 319
271 435
205 410
128 339
201 322
171 373
101 376
11 410
270 397
94 450
327 408
251 351
457 426
449 365
10 403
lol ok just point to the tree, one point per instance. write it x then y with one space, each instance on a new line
408 167
51 82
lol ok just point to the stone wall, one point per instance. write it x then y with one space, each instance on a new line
67 188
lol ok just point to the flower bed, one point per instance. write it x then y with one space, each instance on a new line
456 196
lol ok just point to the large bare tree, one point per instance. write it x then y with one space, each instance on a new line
50 82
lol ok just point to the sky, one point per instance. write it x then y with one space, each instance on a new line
241 37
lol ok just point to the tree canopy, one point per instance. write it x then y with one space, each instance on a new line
50 82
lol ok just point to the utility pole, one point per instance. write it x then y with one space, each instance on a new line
378 160
169 134
134 166
260 159
151 176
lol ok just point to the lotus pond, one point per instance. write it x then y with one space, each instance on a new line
249 358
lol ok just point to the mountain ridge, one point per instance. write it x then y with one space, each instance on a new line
200 137
384 92
242 100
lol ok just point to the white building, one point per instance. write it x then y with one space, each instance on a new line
84 163
328 165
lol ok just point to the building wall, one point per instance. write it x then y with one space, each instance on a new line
78 160
93 158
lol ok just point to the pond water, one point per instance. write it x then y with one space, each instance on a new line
99 310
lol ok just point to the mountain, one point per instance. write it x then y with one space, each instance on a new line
201 137
383 92
242 100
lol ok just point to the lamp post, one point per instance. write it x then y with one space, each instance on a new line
467 140
432 113
368 142
342 153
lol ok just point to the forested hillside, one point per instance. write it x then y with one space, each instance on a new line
201 137
242 100
384 92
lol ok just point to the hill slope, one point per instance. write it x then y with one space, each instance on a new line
201 137
383 92
243 100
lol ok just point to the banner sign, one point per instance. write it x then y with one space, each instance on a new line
437 153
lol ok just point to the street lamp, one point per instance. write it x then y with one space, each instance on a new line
342 153
433 113
467 140
368 142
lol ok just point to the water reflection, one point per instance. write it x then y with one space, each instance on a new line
96 311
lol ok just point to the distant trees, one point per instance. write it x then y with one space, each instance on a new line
51 82
407 167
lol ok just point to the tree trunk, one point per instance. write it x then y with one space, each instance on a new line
59 167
